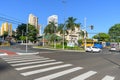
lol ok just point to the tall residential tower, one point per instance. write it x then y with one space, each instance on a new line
6 27
33 20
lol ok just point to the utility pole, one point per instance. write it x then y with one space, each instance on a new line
63 1
22 36
43 37
85 32
26 38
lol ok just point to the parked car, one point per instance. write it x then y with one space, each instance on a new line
114 49
93 49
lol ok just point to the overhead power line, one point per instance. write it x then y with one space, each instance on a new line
10 20
7 18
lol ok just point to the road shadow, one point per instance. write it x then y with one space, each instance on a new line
4 66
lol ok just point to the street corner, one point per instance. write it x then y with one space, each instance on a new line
3 54
6 52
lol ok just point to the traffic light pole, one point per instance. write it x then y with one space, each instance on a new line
85 32
91 27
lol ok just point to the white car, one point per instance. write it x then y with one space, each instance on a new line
113 49
93 49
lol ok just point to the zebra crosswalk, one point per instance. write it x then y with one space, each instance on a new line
31 65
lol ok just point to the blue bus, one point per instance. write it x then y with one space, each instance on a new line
98 45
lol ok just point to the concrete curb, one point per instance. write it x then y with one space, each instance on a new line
3 54
27 53
60 49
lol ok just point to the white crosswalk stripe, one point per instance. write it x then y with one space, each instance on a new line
33 65
28 60
40 65
55 75
21 64
45 69
108 78
17 59
84 76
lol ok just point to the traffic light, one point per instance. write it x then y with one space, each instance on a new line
91 27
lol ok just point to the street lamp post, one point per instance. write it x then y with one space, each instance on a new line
43 38
63 1
26 38
85 31
54 34
63 36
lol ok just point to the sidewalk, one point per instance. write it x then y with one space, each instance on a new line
22 51
6 52
15 51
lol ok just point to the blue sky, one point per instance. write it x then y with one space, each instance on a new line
101 13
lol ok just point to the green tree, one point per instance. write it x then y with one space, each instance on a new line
5 34
21 30
71 24
31 33
62 30
102 37
82 34
23 38
51 30
114 32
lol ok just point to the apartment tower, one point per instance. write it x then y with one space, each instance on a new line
6 27
33 20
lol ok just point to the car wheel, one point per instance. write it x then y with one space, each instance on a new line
92 51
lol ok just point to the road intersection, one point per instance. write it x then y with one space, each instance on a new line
61 65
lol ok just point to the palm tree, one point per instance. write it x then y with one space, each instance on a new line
5 34
71 25
50 30
62 29
82 34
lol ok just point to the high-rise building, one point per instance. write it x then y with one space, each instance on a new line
33 20
6 27
53 18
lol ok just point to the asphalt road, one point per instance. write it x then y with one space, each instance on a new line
61 65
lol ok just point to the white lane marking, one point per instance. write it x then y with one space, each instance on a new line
108 78
28 60
84 76
20 64
23 59
40 65
55 75
45 69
